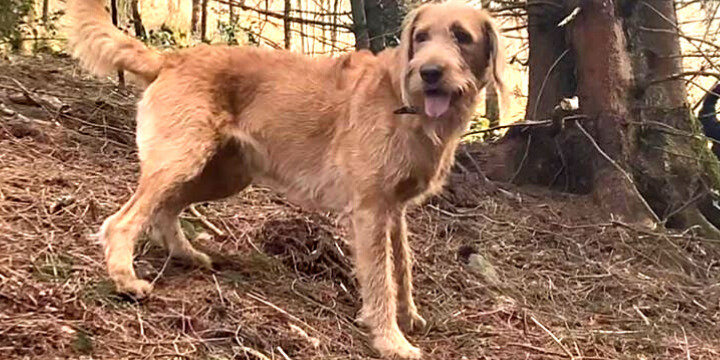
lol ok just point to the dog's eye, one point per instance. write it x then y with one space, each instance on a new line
421 37
462 36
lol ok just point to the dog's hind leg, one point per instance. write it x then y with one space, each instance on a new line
226 173
165 229
170 156
119 231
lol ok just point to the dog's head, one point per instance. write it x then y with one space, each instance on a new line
449 52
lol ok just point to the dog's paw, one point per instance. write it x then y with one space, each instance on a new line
412 323
395 345
134 287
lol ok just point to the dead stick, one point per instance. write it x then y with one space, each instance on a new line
278 309
206 222
557 341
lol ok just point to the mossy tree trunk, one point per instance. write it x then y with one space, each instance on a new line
638 150
362 39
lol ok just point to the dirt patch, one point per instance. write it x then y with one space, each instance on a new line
564 283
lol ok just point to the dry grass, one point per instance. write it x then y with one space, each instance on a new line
570 285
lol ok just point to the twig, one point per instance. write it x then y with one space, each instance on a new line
547 76
282 352
687 344
622 171
254 352
516 124
162 270
537 349
645 319
278 309
206 222
217 287
557 341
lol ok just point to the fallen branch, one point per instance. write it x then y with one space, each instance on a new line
557 341
206 222
526 123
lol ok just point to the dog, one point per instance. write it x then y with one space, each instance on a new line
362 134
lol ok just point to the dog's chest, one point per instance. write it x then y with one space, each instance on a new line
319 190
424 176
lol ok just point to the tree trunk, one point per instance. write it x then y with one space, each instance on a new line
203 21
114 17
334 29
672 170
45 13
622 153
137 19
376 32
492 104
551 78
287 24
303 40
362 40
604 78
392 21
195 17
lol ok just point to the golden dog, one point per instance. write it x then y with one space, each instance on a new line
358 133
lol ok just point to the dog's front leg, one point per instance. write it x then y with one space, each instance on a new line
408 316
374 265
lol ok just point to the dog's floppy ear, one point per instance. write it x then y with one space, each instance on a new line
406 52
496 59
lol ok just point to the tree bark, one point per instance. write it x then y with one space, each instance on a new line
605 75
287 24
672 170
334 28
492 104
137 19
551 78
362 40
622 152
375 28
195 17
203 21
45 13
392 21
114 17
303 40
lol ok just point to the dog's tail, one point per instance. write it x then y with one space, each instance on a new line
102 48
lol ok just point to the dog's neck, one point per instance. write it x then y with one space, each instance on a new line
443 130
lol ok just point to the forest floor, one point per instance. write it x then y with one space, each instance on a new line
540 276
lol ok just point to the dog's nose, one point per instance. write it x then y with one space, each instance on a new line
431 74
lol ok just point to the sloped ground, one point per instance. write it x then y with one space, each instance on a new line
563 284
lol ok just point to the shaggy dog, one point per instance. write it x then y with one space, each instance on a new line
359 133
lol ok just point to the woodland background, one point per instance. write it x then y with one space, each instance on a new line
562 234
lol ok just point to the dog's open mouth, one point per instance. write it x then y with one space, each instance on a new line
437 102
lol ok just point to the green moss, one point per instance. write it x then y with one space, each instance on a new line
83 343
103 293
707 161
53 267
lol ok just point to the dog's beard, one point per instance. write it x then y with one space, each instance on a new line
437 103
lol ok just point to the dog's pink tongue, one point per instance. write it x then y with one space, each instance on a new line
436 105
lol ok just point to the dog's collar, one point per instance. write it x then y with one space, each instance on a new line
406 110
